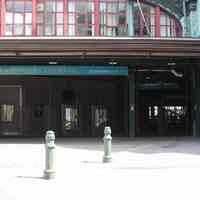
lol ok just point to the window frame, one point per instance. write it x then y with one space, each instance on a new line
108 14
45 13
13 23
75 15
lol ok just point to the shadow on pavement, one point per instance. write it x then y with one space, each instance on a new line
31 177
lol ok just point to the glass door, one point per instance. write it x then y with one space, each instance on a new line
70 120
99 119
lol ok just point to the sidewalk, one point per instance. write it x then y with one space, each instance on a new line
150 169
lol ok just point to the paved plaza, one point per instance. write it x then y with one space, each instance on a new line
150 169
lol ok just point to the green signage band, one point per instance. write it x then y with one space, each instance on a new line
63 70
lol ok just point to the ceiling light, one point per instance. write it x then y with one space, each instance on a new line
53 63
171 64
113 63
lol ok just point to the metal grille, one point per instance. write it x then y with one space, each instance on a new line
7 113
71 117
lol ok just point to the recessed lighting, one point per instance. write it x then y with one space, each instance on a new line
112 63
53 63
171 64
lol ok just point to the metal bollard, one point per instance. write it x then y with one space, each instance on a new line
107 145
49 172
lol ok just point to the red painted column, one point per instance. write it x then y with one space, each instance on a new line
34 17
3 11
96 17
65 17
157 21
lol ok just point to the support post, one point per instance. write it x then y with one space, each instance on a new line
198 17
49 172
2 15
97 17
130 18
157 20
132 109
107 145
34 17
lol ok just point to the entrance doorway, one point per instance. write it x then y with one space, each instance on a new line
88 105
10 110
162 104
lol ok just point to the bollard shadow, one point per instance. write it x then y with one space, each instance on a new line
91 162
31 177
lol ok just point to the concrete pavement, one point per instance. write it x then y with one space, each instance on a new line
159 168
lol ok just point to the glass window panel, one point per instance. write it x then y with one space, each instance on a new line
60 6
122 7
90 7
19 6
28 30
18 18
152 20
71 30
152 10
89 31
9 6
80 7
162 31
40 18
168 20
51 6
60 30
9 18
59 18
168 30
8 30
40 30
28 6
102 7
81 19
93 30
153 31
18 29
109 31
93 19
162 20
50 18
122 19
28 18
81 30
71 18
49 29
71 6
122 31
90 21
109 20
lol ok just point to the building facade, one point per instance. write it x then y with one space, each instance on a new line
75 66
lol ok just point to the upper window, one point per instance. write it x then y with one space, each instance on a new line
168 26
113 20
50 18
144 20
81 18
18 18
87 18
